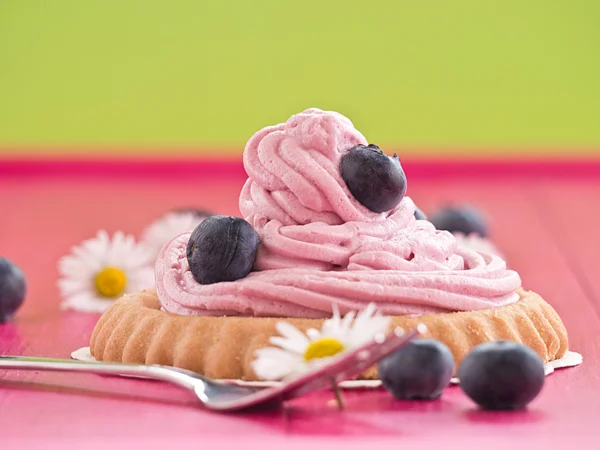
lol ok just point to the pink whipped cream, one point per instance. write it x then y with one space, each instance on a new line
320 246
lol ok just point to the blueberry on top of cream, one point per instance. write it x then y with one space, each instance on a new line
376 180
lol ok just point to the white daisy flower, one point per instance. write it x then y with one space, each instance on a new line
160 232
101 269
299 352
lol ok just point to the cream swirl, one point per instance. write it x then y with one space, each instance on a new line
320 246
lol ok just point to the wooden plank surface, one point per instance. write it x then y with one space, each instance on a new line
44 216
572 216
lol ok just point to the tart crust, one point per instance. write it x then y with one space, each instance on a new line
135 330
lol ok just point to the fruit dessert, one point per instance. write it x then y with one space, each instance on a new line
327 229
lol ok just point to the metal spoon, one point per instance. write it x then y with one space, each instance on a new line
222 396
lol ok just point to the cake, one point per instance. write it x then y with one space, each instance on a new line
328 236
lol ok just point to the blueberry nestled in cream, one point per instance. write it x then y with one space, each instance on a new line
222 248
502 375
376 180
12 289
464 219
419 371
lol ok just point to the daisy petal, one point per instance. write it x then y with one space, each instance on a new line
275 364
290 345
347 321
291 332
313 334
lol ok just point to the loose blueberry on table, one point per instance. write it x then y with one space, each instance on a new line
12 289
376 180
460 219
419 371
222 248
502 375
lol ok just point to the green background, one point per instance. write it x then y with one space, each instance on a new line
432 76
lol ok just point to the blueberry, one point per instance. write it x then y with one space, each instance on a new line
222 248
419 371
419 214
12 289
376 180
502 375
462 219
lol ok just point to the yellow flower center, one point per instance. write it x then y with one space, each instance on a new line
110 282
323 348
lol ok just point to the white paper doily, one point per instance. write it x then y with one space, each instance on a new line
570 359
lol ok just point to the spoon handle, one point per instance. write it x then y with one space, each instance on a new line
99 368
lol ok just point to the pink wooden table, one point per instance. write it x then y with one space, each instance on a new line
546 225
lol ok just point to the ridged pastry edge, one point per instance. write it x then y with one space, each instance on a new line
135 330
